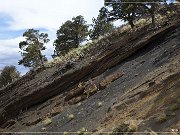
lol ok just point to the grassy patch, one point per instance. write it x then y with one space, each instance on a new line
162 118
43 129
83 131
153 133
72 55
81 51
71 116
100 104
90 89
178 100
65 133
125 128
47 121
133 127
174 107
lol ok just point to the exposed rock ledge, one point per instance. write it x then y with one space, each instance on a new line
17 97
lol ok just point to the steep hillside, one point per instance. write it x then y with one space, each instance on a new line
125 83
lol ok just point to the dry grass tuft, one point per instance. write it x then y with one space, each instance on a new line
71 116
47 121
174 107
130 126
162 118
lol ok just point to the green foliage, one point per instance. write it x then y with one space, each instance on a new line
83 131
71 116
120 10
70 35
8 75
47 121
125 128
72 55
150 7
178 100
174 107
65 133
32 47
129 10
162 118
100 24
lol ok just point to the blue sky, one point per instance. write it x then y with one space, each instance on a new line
16 16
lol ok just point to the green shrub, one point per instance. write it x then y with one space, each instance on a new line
174 107
8 74
71 116
162 118
125 128
178 100
83 131
47 121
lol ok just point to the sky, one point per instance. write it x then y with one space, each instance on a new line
16 16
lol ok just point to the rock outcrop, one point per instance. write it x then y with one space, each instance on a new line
63 85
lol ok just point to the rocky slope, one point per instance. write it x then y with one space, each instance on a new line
131 84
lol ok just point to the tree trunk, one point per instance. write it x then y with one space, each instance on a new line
153 20
130 20
132 24
77 42
152 12
41 59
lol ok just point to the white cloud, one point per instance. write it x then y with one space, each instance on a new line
9 47
49 14
9 53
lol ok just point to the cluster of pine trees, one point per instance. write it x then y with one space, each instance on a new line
70 35
73 32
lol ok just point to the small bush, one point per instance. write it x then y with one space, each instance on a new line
174 107
100 104
162 118
43 129
90 89
83 131
72 55
47 121
178 100
133 127
122 129
71 116
65 133
153 133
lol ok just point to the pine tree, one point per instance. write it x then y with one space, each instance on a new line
70 35
8 75
31 48
100 25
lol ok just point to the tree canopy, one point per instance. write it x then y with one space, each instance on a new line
121 9
8 75
128 10
70 35
31 48
100 24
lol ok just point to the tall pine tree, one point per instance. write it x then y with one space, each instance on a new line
32 47
100 25
70 35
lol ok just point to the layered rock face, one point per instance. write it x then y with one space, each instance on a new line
123 64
